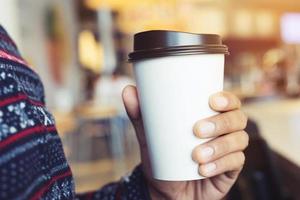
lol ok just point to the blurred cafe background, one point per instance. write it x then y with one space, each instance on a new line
80 47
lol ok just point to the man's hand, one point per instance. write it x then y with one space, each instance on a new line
220 159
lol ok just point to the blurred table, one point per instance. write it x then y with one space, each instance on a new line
65 122
100 122
279 123
93 114
94 111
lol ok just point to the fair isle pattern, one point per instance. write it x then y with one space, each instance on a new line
32 161
8 45
5 55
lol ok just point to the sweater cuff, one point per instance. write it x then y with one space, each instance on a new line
134 186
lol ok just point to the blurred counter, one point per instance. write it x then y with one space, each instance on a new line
279 123
94 111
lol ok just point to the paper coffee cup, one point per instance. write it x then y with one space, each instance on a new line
176 73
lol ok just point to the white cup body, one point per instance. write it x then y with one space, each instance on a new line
173 94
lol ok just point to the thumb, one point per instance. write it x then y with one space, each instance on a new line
131 103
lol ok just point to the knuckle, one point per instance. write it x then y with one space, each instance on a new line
201 171
196 129
226 122
242 159
232 162
196 156
223 146
233 99
242 140
239 103
245 138
242 118
227 162
236 140
236 102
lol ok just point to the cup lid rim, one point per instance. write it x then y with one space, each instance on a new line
159 43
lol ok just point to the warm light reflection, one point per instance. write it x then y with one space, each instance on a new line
90 52
200 16
206 19
121 4
271 58
265 23
290 29
243 22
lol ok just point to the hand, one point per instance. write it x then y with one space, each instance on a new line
220 159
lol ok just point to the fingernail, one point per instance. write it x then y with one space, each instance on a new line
220 101
207 152
208 168
206 128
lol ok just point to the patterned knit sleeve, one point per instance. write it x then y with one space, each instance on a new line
32 161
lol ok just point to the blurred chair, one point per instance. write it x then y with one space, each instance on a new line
260 178
66 126
98 133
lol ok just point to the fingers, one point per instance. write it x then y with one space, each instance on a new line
221 146
230 163
224 153
224 101
221 124
131 103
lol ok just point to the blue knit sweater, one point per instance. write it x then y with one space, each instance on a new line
32 161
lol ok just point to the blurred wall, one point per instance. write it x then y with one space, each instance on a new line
34 38
9 18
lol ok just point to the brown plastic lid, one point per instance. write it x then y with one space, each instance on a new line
161 43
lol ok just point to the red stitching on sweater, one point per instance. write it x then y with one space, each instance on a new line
39 194
36 103
19 97
13 99
6 55
24 134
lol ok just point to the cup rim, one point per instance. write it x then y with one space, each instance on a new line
177 51
160 43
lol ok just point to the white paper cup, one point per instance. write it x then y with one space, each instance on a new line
174 94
